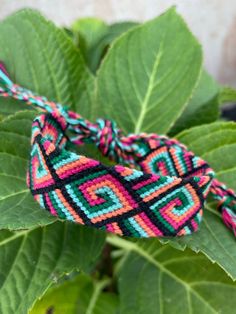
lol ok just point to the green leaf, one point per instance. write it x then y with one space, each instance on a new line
31 260
17 207
81 295
149 74
158 279
91 29
214 240
88 32
227 95
94 37
217 144
113 32
116 30
202 108
41 57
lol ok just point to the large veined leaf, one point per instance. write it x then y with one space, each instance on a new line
203 107
41 57
217 144
18 209
31 260
158 279
149 75
81 295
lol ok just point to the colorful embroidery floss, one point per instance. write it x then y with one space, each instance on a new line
164 198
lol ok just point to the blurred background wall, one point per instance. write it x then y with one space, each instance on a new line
212 21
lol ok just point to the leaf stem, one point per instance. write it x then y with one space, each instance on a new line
98 287
120 243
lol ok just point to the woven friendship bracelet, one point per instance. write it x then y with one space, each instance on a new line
164 197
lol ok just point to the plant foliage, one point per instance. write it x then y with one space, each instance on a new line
148 77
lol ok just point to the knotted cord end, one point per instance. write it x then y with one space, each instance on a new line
226 199
228 210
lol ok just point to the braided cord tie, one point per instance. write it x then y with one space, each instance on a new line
164 197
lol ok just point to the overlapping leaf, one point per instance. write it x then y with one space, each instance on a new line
94 37
203 107
81 295
41 57
17 207
158 279
31 260
149 75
